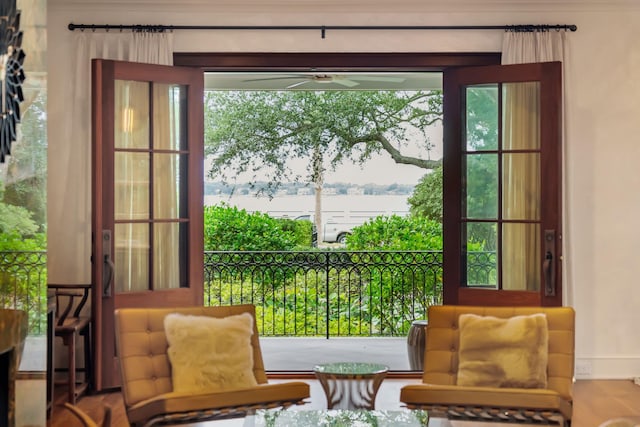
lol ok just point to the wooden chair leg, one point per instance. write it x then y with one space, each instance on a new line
71 352
88 367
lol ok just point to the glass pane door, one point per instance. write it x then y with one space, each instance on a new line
150 193
502 182
147 214
502 185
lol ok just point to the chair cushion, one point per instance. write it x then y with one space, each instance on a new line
503 352
209 354
451 395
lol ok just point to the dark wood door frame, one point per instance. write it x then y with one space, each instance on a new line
332 62
105 296
360 61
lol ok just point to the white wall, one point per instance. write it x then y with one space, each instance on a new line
602 236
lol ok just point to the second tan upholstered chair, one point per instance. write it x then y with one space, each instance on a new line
441 394
146 372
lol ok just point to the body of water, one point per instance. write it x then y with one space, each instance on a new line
334 207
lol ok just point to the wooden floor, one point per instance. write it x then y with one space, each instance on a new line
595 401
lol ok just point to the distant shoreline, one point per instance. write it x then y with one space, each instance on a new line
217 188
333 206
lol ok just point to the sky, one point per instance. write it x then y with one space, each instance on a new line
378 170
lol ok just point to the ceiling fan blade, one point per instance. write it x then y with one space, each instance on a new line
292 76
297 84
378 79
345 82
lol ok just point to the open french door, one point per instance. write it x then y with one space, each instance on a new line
147 199
502 185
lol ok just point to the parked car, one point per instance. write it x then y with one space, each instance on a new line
332 232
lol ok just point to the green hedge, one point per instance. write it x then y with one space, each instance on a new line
397 233
228 228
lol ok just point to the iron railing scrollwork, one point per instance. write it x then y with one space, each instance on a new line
327 293
23 286
296 293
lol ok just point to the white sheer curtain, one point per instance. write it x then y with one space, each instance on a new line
152 48
521 171
73 156
539 46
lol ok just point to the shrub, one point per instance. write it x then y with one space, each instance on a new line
231 229
302 231
13 241
16 219
397 233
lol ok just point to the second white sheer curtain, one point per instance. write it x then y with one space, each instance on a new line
521 171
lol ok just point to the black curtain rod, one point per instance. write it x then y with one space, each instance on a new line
322 28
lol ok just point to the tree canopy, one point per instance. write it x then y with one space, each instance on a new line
23 179
481 170
260 132
426 199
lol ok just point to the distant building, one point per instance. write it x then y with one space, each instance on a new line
355 191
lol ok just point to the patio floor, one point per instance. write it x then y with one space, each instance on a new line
302 354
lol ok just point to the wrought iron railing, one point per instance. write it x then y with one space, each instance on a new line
296 293
23 286
327 293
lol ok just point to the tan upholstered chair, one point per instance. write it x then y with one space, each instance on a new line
439 394
146 373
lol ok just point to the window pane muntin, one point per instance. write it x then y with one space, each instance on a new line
518 149
152 185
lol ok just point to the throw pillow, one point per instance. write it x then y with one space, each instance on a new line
209 354
496 352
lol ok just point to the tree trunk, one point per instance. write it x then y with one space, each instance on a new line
318 182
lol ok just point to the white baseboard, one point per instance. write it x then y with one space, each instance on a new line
608 367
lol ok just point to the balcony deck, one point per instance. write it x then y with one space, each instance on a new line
301 354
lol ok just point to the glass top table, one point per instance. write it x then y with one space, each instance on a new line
337 418
345 418
350 385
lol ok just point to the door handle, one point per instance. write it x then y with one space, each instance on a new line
108 268
548 265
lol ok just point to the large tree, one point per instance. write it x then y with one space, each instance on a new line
261 132
23 177
481 170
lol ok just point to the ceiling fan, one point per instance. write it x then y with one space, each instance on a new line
342 80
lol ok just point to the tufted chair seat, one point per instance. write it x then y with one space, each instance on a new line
146 373
439 394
